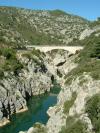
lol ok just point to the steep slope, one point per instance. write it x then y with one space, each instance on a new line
18 84
78 106
78 101
25 73
20 27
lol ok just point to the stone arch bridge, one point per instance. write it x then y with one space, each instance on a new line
45 48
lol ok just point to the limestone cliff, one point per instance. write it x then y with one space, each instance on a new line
33 79
84 87
59 63
78 105
25 73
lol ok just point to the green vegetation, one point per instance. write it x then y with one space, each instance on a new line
93 110
34 52
8 53
1 73
35 55
17 31
68 104
9 61
95 23
20 27
42 39
82 80
69 78
96 51
57 13
88 60
74 126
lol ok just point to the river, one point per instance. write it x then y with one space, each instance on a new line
37 108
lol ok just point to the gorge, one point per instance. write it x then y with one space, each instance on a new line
42 84
49 72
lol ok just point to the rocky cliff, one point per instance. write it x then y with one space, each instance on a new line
59 63
77 109
15 90
36 77
26 73
71 103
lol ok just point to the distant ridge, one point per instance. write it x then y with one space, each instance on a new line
20 27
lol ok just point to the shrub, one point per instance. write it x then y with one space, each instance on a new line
11 63
8 53
74 126
93 110
88 60
68 104
57 13
96 51
17 67
1 73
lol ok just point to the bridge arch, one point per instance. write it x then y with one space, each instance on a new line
43 48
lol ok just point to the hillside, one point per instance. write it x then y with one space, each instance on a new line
26 73
20 27
78 106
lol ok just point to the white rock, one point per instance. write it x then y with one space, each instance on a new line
30 130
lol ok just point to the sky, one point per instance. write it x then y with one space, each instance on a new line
89 9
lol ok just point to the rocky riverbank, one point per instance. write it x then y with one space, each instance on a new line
35 78
38 77
83 88
59 63
78 87
72 100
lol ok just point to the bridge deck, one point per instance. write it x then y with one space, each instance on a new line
43 48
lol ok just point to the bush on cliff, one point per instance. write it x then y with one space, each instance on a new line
88 59
10 62
1 73
74 126
69 103
93 110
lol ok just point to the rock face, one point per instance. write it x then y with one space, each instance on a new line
83 87
62 61
88 32
34 79
21 28
86 90
73 97
15 90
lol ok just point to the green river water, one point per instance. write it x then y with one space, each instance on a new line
37 108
